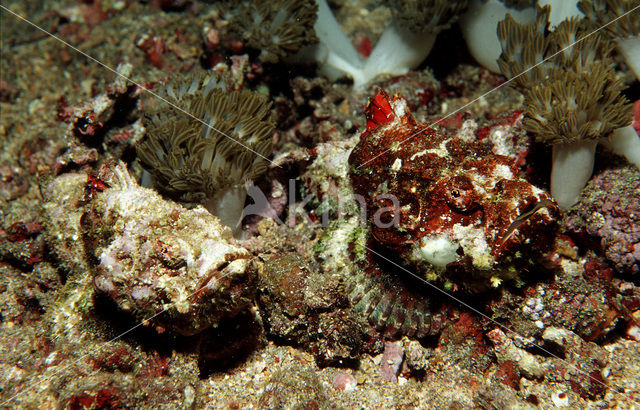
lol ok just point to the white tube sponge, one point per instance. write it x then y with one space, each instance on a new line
572 165
479 28
404 44
228 206
335 49
626 142
397 51
630 49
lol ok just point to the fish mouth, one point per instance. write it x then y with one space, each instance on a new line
525 217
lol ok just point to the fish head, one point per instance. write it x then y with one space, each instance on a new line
447 205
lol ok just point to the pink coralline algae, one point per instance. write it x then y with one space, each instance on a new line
391 361
344 381
448 205
610 210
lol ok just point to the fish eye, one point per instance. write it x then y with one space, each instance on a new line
460 195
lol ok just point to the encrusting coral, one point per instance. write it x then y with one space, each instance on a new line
208 155
610 211
276 28
572 95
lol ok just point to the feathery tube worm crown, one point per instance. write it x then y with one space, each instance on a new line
278 29
572 95
208 164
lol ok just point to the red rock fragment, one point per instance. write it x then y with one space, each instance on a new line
153 48
508 374
597 270
124 135
237 46
155 367
21 231
465 328
427 96
106 398
636 116
7 91
119 358
363 45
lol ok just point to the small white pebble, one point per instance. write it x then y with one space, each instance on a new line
259 366
51 358
634 333
189 396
